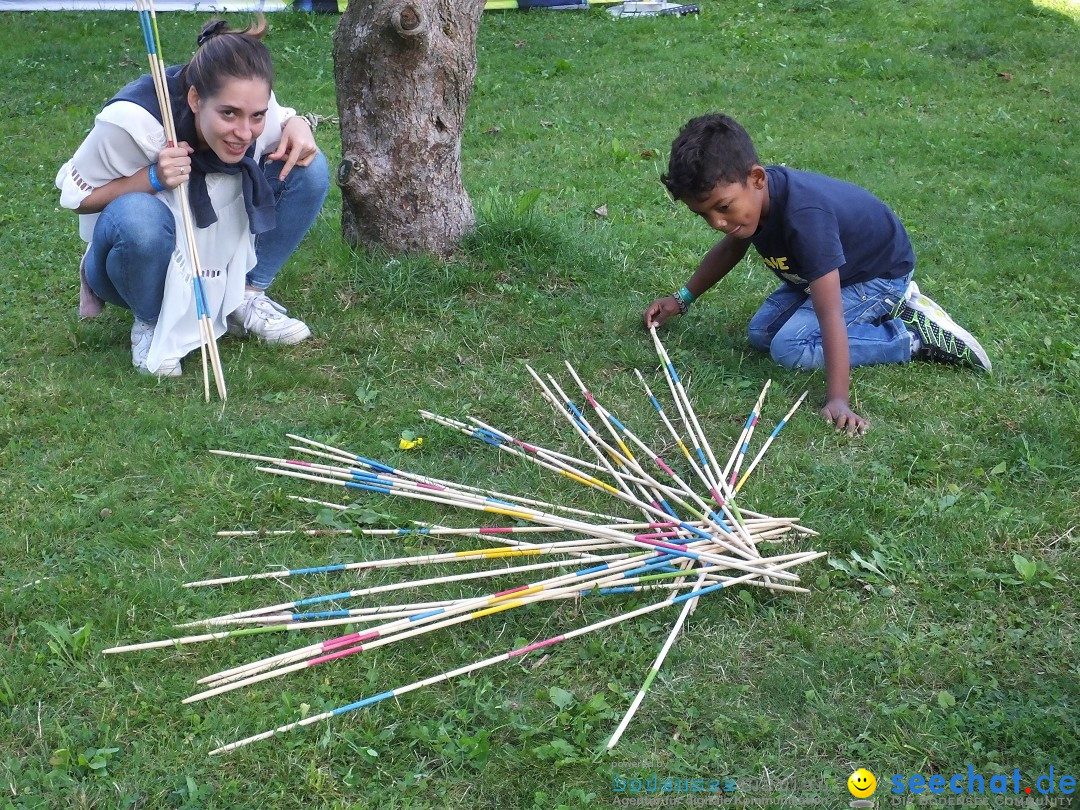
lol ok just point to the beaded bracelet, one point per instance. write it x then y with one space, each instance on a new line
154 182
686 296
685 299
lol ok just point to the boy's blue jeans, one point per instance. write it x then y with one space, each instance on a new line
135 235
787 327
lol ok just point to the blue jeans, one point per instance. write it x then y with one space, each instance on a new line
135 235
787 327
299 199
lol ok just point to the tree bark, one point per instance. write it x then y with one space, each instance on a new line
404 72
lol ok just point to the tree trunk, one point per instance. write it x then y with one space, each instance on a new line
404 71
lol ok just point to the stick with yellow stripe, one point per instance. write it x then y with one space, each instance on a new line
520 651
627 572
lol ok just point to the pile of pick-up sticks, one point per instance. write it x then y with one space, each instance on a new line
686 546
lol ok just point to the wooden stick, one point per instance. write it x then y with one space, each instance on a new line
534 516
286 623
374 465
423 559
625 456
735 542
437 530
587 434
207 340
699 470
549 461
391 587
682 405
738 452
764 447
315 654
507 656
473 667
353 643
688 606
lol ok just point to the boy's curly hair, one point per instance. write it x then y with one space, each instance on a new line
709 149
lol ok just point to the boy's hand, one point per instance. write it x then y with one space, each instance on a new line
660 310
846 420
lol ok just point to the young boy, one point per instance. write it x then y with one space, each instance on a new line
847 297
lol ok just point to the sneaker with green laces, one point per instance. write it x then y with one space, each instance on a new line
936 335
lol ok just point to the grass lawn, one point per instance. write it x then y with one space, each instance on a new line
941 633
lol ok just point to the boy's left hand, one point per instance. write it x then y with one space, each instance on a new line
660 310
846 420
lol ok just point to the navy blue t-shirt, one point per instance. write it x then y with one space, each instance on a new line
818 223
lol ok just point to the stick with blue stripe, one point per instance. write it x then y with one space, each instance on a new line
605 454
296 622
602 574
539 456
593 577
603 450
648 487
640 541
301 621
470 668
207 340
769 441
526 550
736 544
391 587
446 676
348 457
627 457
694 465
467 610
738 452
690 420
658 506
710 471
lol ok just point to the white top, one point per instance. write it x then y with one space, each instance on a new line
127 138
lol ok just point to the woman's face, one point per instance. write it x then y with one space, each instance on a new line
229 121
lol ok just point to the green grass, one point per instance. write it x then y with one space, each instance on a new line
940 633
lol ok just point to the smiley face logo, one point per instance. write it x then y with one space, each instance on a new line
862 784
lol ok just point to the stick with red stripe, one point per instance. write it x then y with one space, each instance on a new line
516 653
738 452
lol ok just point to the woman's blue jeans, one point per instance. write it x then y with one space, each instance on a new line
135 235
787 327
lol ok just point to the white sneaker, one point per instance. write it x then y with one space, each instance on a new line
940 337
265 318
142 335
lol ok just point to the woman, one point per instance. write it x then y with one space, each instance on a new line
255 181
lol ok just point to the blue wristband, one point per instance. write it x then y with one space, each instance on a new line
154 179
686 296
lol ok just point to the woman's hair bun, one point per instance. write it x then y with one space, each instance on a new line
211 30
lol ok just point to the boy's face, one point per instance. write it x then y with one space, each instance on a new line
737 209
